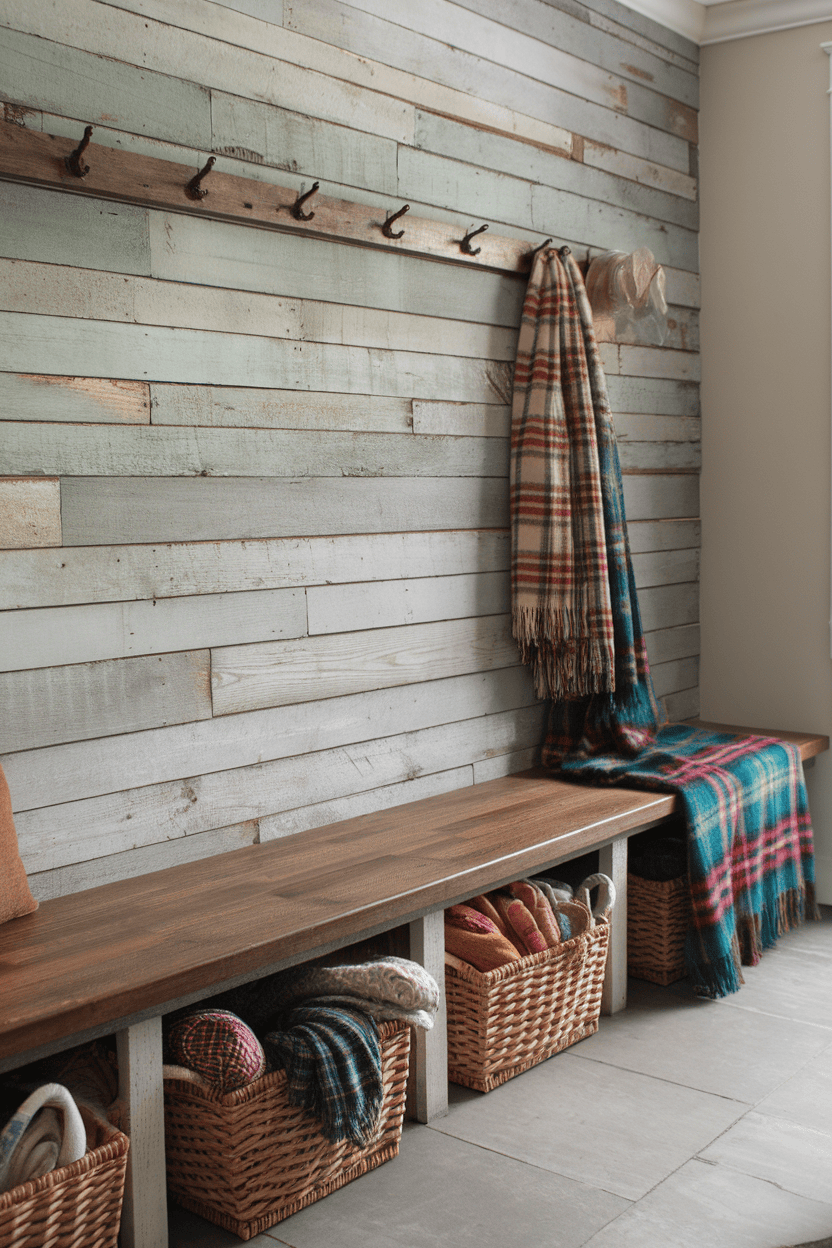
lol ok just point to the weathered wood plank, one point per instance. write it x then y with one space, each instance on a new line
658 497
472 420
683 705
101 826
133 862
186 249
630 19
372 110
51 290
125 37
387 604
639 185
75 703
30 513
48 75
586 101
664 535
82 769
78 399
629 36
681 642
119 573
252 408
304 144
590 42
666 606
109 510
645 427
649 395
643 172
597 225
682 287
52 636
659 362
674 676
676 456
468 188
506 764
138 352
246 678
666 567
40 224
176 451
322 814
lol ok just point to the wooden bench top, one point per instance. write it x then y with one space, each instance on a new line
93 960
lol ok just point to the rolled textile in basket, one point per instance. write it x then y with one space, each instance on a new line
45 1132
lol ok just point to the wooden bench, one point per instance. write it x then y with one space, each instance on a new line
118 957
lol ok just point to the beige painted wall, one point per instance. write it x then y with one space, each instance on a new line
765 259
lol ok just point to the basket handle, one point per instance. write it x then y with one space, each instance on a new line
606 895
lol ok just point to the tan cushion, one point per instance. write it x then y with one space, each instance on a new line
15 895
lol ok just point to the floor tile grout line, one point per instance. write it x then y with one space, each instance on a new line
674 1083
521 1161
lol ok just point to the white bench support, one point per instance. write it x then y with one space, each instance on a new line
144 1219
612 860
428 1089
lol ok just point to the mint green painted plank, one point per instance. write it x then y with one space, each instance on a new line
586 101
32 344
128 451
77 84
71 229
445 137
213 253
303 144
82 701
577 36
106 510
599 225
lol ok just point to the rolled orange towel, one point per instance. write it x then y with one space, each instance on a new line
472 937
537 903
521 921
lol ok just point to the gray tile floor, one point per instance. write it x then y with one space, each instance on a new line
681 1124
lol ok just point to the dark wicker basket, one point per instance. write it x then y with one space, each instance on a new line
658 917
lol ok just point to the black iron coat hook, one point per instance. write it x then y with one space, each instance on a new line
194 189
73 160
297 207
465 245
385 229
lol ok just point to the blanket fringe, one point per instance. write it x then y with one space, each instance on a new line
565 660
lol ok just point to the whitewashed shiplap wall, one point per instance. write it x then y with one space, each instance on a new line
253 486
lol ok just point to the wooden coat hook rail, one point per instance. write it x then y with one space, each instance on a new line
46 160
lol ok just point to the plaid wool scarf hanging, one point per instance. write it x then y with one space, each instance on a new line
561 611
749 835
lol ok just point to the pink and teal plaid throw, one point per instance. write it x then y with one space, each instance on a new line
750 859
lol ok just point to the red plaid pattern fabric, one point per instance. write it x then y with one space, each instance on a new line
561 611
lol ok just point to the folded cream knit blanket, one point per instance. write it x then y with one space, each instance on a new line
45 1132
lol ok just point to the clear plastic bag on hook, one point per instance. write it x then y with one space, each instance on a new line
627 293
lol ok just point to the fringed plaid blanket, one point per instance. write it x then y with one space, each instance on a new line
749 835
561 612
750 858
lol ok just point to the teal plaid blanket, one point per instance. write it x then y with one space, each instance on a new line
749 835
750 856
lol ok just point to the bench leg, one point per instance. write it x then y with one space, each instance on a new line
144 1219
428 1086
613 862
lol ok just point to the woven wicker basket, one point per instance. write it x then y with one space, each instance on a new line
247 1159
658 917
502 1022
76 1206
